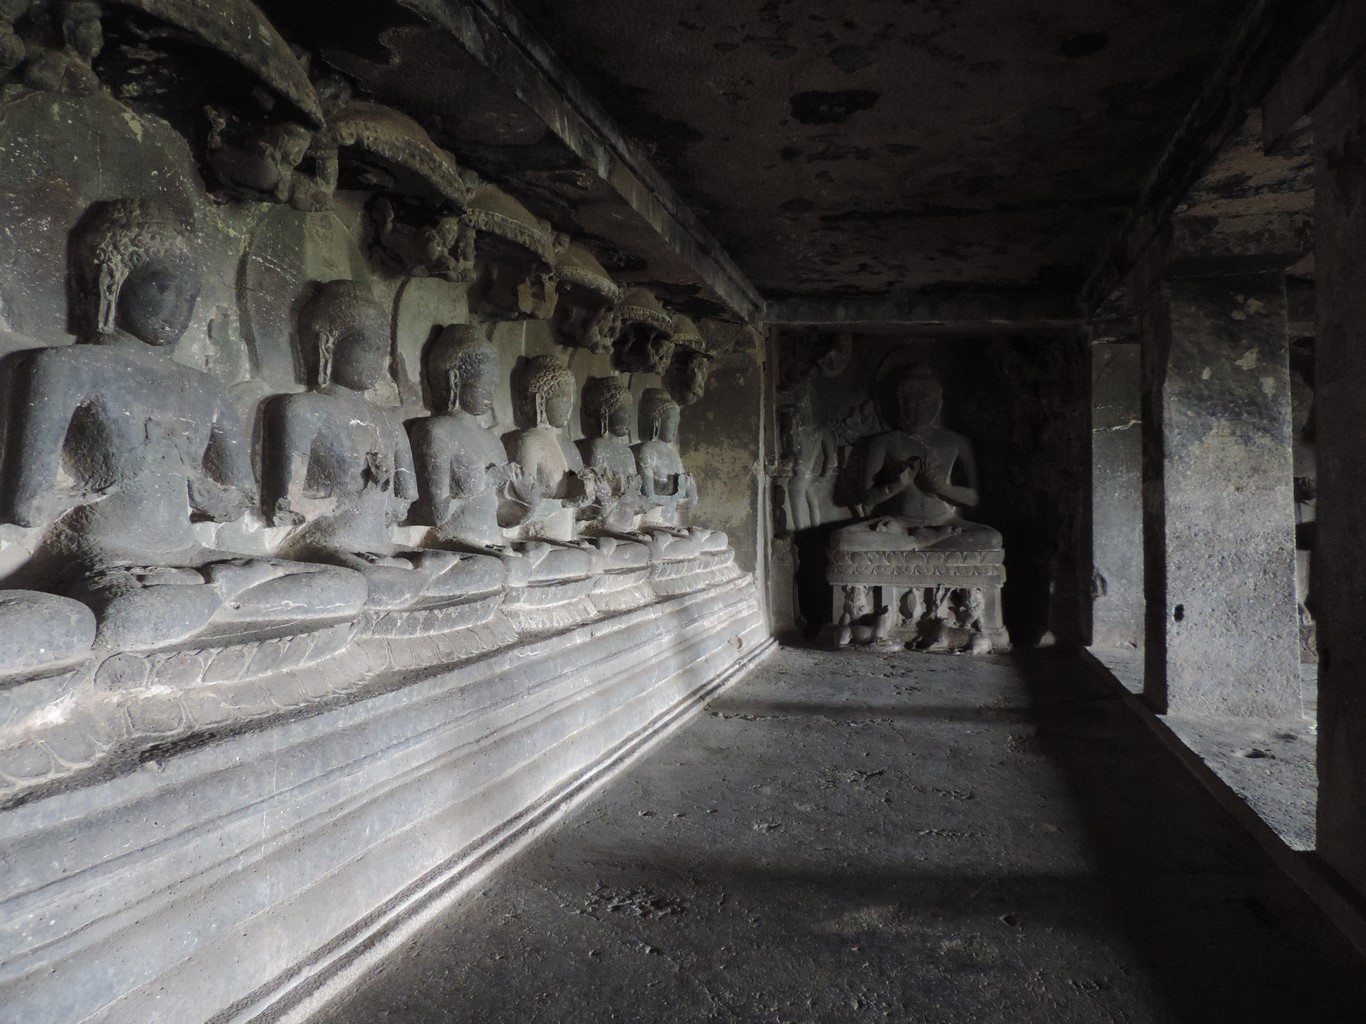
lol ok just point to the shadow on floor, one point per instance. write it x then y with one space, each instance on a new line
1227 936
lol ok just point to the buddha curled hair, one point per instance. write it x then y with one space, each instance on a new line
113 239
335 308
654 403
603 396
460 349
540 378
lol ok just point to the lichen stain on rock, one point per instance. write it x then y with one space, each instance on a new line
817 107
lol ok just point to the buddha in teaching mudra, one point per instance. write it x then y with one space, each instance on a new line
471 494
919 478
117 449
339 468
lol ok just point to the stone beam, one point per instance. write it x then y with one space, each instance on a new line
1268 37
497 36
1337 46
986 312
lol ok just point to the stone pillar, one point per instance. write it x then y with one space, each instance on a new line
1116 494
1219 541
1339 570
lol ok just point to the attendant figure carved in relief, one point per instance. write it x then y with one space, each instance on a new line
66 68
470 493
339 467
670 491
121 449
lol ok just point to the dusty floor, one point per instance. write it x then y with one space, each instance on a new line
1270 763
851 837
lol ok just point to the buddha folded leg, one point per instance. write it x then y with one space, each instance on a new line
547 561
143 607
896 533
40 630
408 579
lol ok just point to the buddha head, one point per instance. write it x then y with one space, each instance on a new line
606 407
546 394
659 415
344 333
131 271
462 370
919 398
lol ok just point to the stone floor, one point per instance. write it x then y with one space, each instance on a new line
860 836
1270 763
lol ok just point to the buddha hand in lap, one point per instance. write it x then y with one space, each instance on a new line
120 448
908 480
339 466
670 493
543 401
615 515
469 493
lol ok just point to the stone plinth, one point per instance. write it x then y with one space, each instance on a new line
234 873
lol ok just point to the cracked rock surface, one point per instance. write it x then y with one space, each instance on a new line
848 837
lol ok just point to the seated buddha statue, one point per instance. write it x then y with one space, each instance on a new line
339 467
605 416
469 492
669 491
908 480
543 402
117 449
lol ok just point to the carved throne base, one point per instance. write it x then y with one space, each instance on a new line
622 591
921 598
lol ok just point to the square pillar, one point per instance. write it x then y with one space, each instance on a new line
1219 542
1339 571
1116 495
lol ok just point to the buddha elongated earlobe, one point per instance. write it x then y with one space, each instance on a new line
326 344
453 390
540 410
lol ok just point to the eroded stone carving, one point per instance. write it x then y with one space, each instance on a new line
669 491
516 254
918 535
645 344
261 160
606 450
119 448
66 66
588 314
339 467
690 364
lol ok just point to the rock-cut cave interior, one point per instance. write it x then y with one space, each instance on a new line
769 511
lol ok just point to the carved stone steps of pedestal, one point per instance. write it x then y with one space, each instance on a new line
234 876
544 607
687 575
441 618
622 591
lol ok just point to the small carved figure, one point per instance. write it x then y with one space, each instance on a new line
12 48
814 460
861 622
262 162
689 368
340 468
645 344
120 448
422 246
67 69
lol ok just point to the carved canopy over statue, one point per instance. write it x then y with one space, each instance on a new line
918 570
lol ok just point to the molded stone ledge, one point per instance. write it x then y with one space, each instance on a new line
687 575
225 878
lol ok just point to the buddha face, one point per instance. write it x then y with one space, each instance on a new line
619 421
918 403
668 424
559 406
477 386
157 301
358 357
